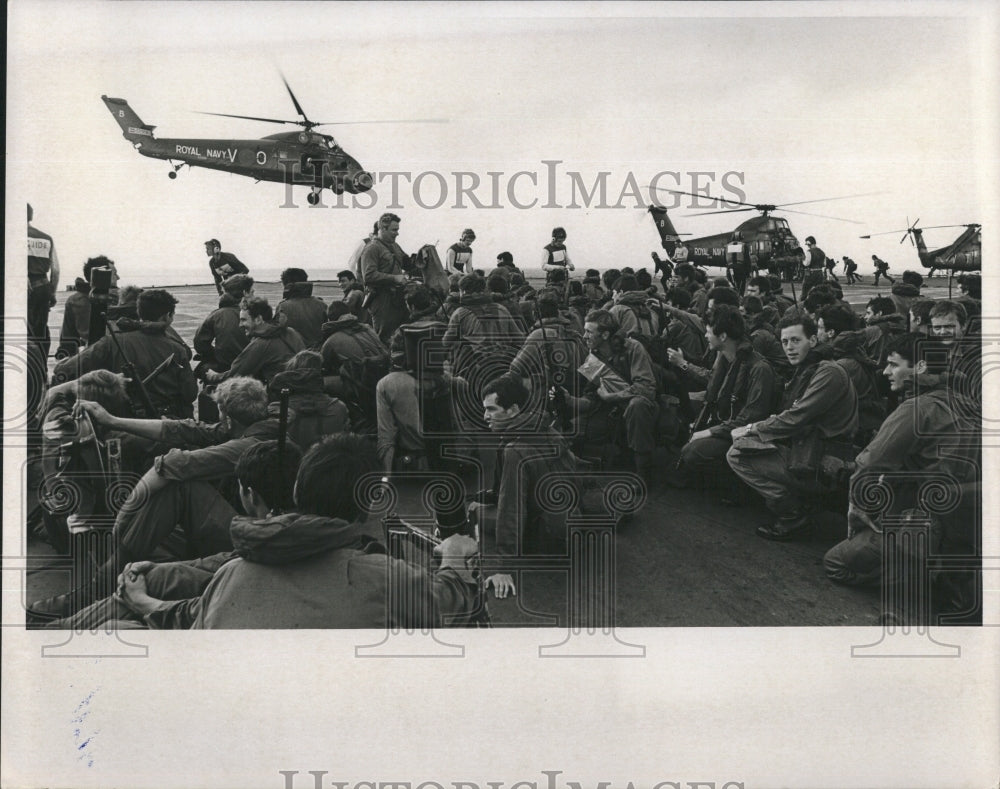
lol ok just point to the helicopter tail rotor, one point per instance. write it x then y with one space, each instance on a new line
909 231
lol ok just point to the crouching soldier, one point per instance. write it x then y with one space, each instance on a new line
779 456
924 439
621 395
741 390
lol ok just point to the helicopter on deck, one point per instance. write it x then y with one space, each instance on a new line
305 157
962 254
764 242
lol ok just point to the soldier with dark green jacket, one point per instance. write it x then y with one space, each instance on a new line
741 389
819 405
925 440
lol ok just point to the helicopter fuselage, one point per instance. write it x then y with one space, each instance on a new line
267 159
963 254
761 242
303 158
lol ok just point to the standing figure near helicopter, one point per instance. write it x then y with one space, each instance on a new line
738 262
814 264
383 264
555 257
459 256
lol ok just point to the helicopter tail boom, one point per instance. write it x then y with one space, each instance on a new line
668 234
133 129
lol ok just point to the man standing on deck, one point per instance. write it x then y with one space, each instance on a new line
43 281
383 263
459 256
815 263
555 257
222 264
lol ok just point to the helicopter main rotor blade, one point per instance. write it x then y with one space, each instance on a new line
248 117
886 233
908 229
295 101
355 123
822 216
766 207
829 199
724 211
704 197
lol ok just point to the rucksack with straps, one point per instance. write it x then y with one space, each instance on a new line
644 317
359 377
481 359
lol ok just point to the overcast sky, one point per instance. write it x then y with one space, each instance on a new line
793 108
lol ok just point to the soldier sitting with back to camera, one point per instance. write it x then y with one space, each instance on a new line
479 327
418 404
176 511
302 311
312 413
75 331
346 339
316 568
266 476
153 347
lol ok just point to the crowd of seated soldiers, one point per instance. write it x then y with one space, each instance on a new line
800 402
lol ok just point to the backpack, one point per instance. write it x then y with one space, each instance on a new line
656 347
644 317
359 377
438 427
481 360
306 427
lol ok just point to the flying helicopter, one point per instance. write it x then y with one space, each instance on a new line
764 242
962 254
304 157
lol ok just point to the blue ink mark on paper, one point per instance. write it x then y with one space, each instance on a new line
80 715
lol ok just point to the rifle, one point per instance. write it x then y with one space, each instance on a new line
135 386
282 440
159 369
558 408
703 417
414 545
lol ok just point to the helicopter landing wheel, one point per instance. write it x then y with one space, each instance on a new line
171 175
313 198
